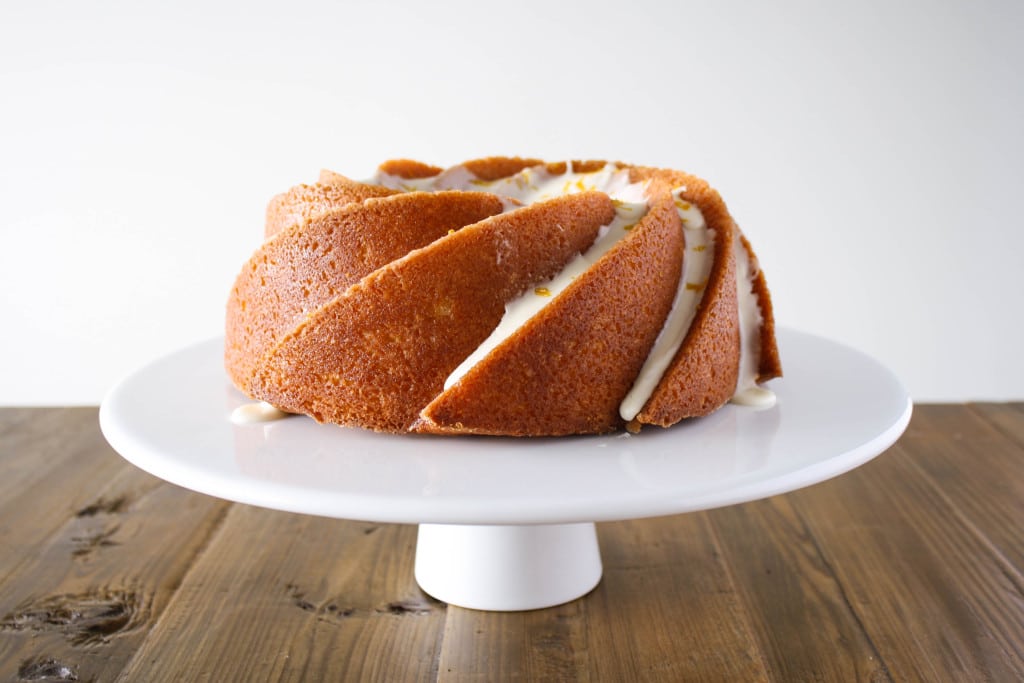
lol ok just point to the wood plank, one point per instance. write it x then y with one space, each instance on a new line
977 467
546 644
668 608
13 421
37 442
664 610
800 615
933 596
286 597
57 463
1008 418
83 599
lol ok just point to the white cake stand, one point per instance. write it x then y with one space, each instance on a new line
507 524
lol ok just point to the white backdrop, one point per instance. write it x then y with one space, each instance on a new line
872 151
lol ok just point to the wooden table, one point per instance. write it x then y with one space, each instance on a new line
909 568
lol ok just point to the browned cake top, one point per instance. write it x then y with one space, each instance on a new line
305 202
309 264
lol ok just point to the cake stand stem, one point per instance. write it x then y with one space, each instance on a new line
507 568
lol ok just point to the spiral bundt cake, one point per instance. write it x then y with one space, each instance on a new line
502 296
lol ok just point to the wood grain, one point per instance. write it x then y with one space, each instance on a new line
296 598
933 596
1006 417
977 468
42 450
908 568
81 597
665 609
797 605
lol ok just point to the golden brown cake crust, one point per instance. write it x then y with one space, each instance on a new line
566 370
769 363
374 356
703 374
577 166
307 265
329 177
493 168
304 202
409 169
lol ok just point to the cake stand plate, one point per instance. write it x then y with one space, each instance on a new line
507 524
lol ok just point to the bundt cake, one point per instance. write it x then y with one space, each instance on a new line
502 296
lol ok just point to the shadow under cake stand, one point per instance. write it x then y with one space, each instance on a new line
507 524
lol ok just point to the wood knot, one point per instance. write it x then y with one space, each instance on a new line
330 609
89 543
403 607
104 506
46 668
83 619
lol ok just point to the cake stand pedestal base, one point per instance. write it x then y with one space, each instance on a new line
508 567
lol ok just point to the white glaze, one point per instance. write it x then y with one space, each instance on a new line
699 244
256 412
526 187
747 392
521 309
755 397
